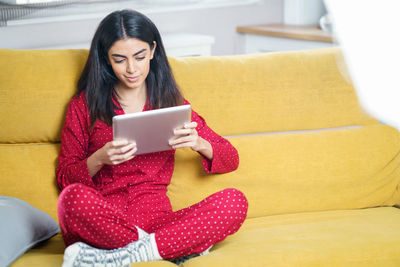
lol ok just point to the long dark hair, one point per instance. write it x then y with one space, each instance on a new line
98 78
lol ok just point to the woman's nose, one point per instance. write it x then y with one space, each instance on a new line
130 68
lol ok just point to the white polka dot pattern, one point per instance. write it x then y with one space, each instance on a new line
85 215
104 211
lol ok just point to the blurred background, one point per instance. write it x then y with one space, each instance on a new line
188 27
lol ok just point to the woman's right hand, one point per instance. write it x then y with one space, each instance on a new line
113 153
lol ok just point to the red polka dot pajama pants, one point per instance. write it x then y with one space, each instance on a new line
85 215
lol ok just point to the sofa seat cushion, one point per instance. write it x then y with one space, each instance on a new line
296 172
366 237
369 237
48 253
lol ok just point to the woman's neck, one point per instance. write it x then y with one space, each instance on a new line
131 99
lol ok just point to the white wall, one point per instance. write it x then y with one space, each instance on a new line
218 22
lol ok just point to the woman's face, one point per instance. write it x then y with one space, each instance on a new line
130 61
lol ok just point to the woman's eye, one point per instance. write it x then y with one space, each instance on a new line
119 61
140 58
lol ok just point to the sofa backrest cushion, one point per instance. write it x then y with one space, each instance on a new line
35 87
301 172
235 94
271 92
28 173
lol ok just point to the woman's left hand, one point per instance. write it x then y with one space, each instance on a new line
187 136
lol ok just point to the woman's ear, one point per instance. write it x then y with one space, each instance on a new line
153 50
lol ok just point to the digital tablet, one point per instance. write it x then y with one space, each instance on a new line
151 130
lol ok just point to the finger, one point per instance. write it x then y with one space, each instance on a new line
113 152
119 147
131 153
127 148
119 142
181 140
128 153
182 145
190 125
190 131
183 131
117 159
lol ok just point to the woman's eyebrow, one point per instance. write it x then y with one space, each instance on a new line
140 51
118 55
137 53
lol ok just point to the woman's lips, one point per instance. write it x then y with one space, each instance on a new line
132 79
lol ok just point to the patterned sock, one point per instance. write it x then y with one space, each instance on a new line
81 254
207 251
141 233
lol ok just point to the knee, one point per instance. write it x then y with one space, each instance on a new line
73 199
234 195
234 203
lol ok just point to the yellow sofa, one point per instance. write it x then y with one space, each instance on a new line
320 174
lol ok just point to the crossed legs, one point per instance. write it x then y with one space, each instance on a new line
86 216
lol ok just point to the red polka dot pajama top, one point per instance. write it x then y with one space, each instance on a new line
105 209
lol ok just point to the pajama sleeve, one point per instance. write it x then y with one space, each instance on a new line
72 166
225 156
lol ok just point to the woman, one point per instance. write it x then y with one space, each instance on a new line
113 208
